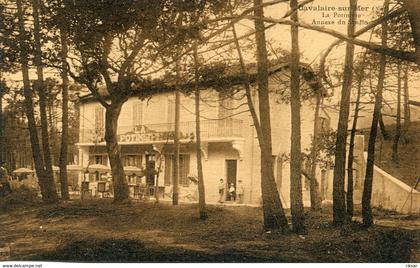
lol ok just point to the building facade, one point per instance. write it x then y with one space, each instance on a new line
230 147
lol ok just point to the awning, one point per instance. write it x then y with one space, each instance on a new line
132 170
23 171
98 168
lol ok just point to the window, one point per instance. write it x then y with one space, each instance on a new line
98 159
99 119
184 169
132 160
137 113
168 169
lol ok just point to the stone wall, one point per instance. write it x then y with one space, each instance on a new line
388 192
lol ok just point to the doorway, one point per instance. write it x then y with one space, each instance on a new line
231 169
150 170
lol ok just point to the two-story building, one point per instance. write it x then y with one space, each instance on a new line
230 147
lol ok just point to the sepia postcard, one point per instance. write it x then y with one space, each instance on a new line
209 131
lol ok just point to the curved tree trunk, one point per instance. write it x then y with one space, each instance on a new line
279 216
350 161
350 157
274 217
382 127
64 121
339 199
46 191
367 190
118 176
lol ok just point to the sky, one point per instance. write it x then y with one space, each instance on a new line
313 44
326 13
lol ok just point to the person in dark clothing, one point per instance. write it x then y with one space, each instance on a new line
4 180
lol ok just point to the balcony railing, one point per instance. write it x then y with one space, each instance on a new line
210 129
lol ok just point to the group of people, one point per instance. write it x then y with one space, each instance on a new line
233 193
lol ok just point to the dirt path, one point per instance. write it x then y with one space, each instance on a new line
99 231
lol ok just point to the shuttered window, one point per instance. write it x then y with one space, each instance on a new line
184 169
98 159
137 113
99 119
132 160
168 169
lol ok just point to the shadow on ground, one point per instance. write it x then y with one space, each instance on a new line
99 231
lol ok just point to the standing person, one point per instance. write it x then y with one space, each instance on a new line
232 192
221 190
240 191
4 180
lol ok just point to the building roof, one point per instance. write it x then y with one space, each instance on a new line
223 78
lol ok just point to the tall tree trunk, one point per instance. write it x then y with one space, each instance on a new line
276 211
51 127
296 200
273 211
175 189
2 123
367 190
159 158
48 193
339 200
201 190
316 199
407 116
398 116
413 10
350 160
49 175
119 180
64 119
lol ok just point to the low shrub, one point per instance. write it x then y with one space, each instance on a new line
22 196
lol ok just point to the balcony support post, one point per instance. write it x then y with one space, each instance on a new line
238 145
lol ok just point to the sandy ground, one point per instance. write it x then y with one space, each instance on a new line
98 231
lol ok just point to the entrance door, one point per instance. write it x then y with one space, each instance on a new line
150 170
231 166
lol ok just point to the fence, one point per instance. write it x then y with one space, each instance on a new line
160 132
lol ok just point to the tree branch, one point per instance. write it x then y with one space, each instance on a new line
234 19
413 102
103 65
402 55
129 61
368 27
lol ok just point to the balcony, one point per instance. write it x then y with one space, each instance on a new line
211 130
